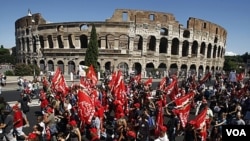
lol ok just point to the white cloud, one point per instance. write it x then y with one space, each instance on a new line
230 53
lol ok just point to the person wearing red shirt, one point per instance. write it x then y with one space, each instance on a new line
18 121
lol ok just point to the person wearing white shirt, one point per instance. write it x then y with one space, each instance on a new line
163 135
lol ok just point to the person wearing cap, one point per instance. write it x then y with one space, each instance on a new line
163 135
94 134
50 122
18 122
74 134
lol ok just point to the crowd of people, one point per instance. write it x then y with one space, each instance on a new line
133 110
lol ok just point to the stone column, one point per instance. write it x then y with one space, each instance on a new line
169 48
131 44
157 47
65 42
190 50
55 42
180 49
103 42
116 43
77 42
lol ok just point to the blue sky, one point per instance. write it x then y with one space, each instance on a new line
230 14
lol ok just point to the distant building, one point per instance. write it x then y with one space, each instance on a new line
131 40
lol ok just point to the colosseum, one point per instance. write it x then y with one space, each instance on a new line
140 41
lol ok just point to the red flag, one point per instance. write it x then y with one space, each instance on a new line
137 78
205 78
86 107
162 83
112 80
199 122
172 89
92 75
57 75
240 77
160 118
183 114
149 81
182 101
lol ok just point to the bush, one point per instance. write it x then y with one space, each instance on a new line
9 73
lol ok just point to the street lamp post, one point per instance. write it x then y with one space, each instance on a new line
31 54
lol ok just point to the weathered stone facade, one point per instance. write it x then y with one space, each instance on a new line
131 40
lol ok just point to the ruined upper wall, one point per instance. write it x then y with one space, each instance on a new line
141 16
26 21
206 26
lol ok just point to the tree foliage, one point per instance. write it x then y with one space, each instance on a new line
22 69
92 52
235 62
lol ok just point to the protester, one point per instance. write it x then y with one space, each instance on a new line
134 110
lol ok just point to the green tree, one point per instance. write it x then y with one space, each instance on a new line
92 52
22 69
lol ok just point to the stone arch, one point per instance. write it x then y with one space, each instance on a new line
151 43
215 39
84 27
71 39
124 41
164 31
84 41
173 69
194 50
150 69
219 50
71 67
50 41
207 69
60 28
23 44
138 42
27 44
192 69
110 41
162 68
203 48
186 34
42 65
163 47
209 50
200 71
123 66
34 62
50 65
185 48
137 68
82 63
41 39
214 51
60 41
183 71
60 64
107 66
175 47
